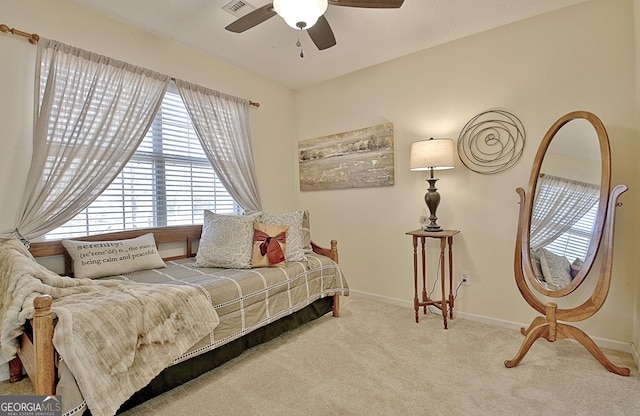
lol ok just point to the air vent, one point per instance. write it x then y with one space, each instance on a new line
238 8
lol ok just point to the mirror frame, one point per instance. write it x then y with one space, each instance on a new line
605 184
549 325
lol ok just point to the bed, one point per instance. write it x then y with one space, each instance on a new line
253 305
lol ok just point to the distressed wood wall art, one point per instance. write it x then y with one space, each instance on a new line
354 159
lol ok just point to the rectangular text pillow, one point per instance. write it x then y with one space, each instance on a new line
93 259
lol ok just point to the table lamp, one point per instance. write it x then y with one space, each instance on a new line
432 154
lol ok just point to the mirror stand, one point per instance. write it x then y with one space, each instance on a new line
547 326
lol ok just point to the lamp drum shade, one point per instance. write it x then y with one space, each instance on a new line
431 154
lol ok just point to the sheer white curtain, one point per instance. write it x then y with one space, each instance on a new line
222 125
91 113
560 203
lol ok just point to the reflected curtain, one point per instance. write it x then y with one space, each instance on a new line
560 203
222 125
91 113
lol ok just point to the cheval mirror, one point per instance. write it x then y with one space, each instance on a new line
565 217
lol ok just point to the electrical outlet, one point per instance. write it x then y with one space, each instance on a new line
465 278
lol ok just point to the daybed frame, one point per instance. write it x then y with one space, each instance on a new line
36 353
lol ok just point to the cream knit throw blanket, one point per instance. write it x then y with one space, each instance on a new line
114 336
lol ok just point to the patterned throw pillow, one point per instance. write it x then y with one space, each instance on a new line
226 241
92 259
556 269
294 250
306 232
269 243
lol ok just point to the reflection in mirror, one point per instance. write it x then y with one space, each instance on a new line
565 205
561 227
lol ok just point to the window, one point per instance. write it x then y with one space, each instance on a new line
574 242
168 181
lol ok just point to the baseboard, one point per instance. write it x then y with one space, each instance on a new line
636 356
382 299
600 342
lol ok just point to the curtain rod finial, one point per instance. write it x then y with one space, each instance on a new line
33 38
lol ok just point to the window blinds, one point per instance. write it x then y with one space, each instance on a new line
167 182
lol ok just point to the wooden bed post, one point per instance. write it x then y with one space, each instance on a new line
336 306
37 356
332 253
42 336
336 298
15 370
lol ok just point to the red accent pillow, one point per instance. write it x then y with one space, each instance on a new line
269 242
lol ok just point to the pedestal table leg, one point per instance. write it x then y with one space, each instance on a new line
416 302
451 298
425 298
443 242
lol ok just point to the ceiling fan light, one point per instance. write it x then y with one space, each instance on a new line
300 14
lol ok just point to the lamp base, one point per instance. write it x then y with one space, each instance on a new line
432 199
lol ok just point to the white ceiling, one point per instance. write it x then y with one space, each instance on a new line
365 37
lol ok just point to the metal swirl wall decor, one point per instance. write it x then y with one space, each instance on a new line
491 142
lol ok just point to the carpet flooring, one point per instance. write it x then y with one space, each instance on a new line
375 360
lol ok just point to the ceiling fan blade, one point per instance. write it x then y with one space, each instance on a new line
372 4
321 34
252 19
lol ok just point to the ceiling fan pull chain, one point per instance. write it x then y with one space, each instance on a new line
299 45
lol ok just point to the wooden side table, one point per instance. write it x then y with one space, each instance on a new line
444 304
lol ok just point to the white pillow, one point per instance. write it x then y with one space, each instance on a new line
294 251
555 269
535 262
107 258
226 241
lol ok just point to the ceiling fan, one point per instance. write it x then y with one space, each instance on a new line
306 15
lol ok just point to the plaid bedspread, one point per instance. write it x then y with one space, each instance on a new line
246 299
243 299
